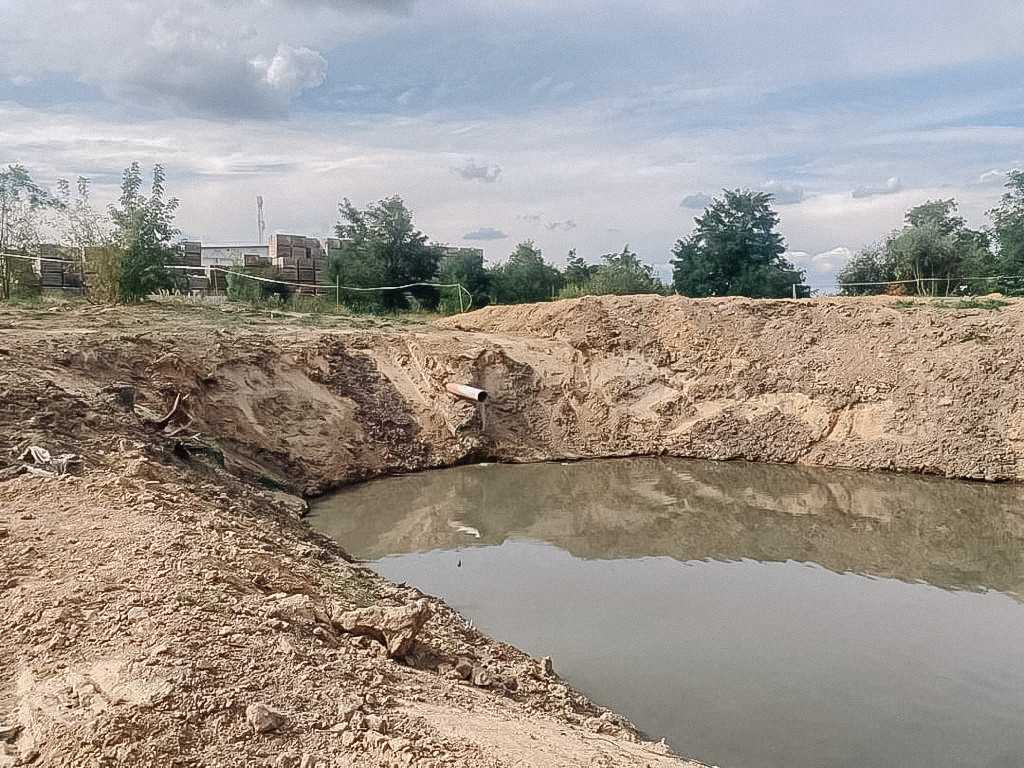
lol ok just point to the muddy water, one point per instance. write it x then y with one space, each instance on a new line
757 616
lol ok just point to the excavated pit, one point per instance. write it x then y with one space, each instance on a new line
192 515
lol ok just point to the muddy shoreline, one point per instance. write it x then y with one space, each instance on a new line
144 590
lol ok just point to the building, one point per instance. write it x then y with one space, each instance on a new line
453 250
234 255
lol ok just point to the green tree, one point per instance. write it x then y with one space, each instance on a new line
22 202
735 250
873 264
577 272
936 249
143 230
1008 231
381 246
926 254
624 273
466 267
524 277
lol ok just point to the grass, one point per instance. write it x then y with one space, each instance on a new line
968 302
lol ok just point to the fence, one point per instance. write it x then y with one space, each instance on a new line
804 290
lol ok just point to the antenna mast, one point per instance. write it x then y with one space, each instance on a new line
260 221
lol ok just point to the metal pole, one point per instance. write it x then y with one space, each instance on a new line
461 289
794 290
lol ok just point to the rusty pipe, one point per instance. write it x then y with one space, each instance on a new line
467 392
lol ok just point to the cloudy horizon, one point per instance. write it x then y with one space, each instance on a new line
578 125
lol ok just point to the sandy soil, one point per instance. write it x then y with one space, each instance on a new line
166 584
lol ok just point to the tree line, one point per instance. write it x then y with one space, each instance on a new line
935 253
735 249
129 248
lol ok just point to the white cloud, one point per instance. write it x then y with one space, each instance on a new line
996 176
293 70
225 58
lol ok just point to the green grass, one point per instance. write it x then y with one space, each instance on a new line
968 302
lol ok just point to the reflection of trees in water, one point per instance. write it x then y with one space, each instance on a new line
948 533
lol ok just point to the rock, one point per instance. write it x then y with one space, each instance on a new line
375 740
398 744
511 683
348 738
9 733
263 719
357 721
480 677
308 761
348 706
137 614
298 609
464 669
395 628
547 667
377 723
287 760
123 395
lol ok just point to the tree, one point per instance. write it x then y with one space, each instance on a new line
80 225
524 277
926 254
623 273
466 267
21 203
873 264
144 231
381 247
577 272
735 250
931 254
1008 230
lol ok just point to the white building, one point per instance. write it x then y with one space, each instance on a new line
235 255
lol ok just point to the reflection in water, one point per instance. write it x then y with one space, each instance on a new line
947 533
726 605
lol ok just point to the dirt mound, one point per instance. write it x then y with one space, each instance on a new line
868 383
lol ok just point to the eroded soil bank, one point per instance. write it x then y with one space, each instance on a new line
148 598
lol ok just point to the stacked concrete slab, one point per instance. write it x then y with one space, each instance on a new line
299 259
57 267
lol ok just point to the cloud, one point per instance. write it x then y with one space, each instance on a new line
824 263
783 194
995 177
293 70
696 202
189 57
485 233
892 186
471 171
564 226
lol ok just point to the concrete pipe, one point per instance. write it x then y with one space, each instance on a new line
467 392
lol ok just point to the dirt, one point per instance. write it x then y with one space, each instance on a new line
154 594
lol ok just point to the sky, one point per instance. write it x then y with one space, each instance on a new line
582 124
